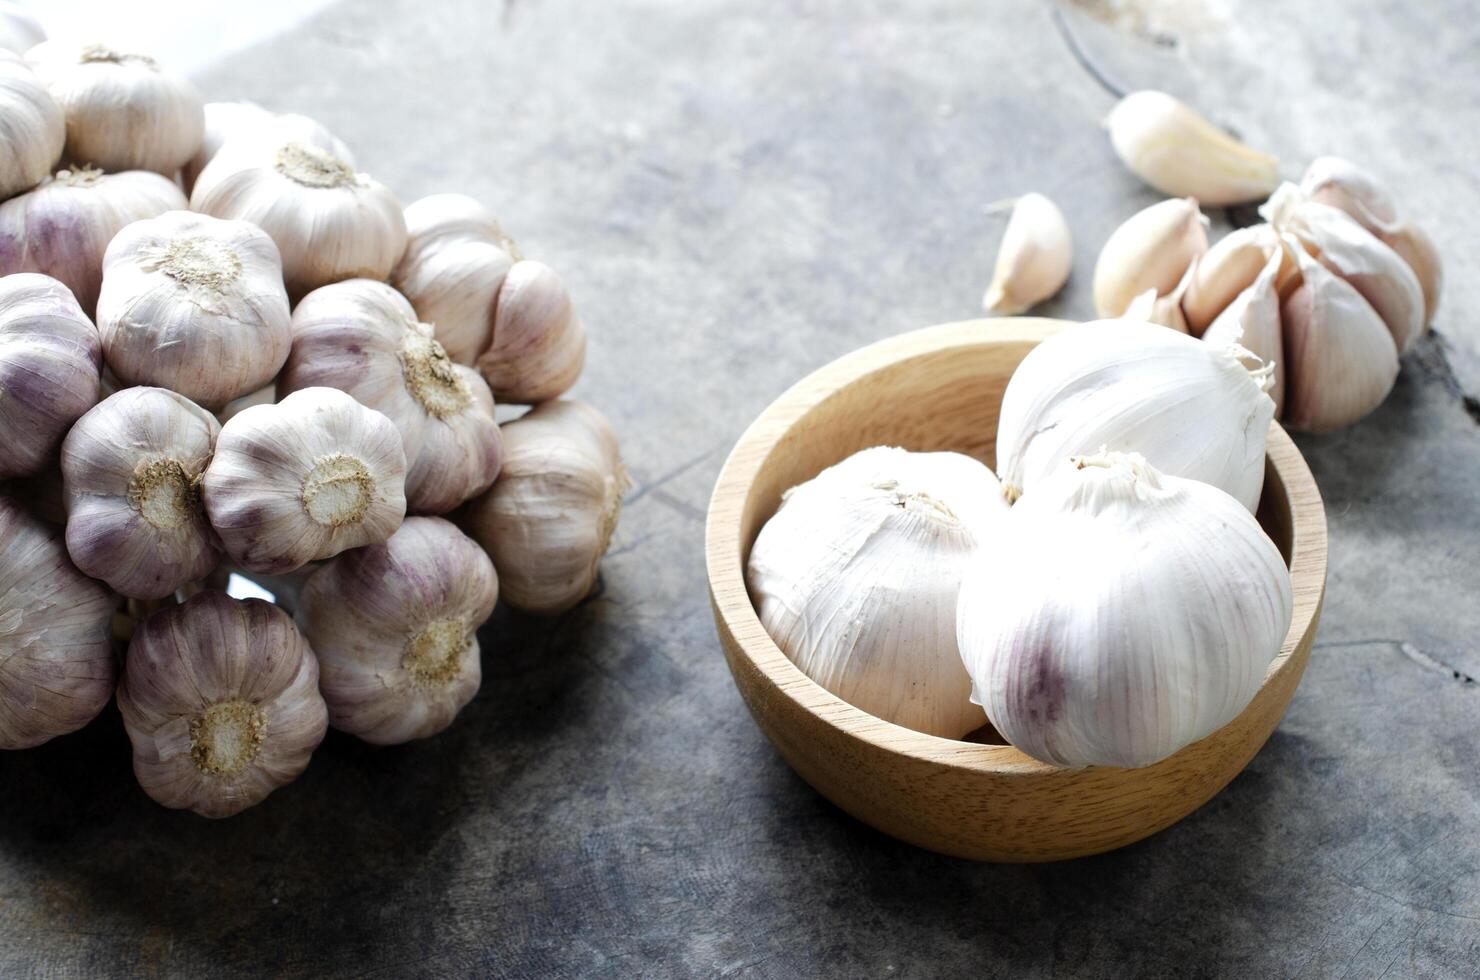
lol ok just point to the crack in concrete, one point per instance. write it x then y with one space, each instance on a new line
1425 660
1433 357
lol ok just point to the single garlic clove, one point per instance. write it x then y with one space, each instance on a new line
194 304
1344 185
549 517
35 129
363 337
1252 321
221 703
1034 258
1151 250
1180 153
538 349
304 479
131 469
394 627
56 645
1228 268
123 111
1165 311
1340 358
1416 248
1191 409
856 576
229 120
1087 628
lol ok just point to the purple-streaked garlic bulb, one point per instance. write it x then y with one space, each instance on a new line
32 126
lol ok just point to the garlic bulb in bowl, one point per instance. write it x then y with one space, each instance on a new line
394 626
1122 615
194 304
856 576
33 126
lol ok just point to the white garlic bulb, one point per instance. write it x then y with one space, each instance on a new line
220 700
49 362
1225 270
395 628
63 227
1191 409
123 111
329 222
1151 250
549 517
1180 153
1123 615
538 348
131 469
1034 258
194 304
856 576
19 30
230 120
362 337
1252 321
56 643
304 479
32 128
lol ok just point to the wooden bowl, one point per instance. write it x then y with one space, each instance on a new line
940 388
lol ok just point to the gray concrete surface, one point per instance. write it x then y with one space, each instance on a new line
739 191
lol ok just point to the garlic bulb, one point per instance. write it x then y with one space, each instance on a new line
32 129
220 700
1191 409
1224 271
1180 153
329 222
1034 259
538 348
123 112
363 337
1252 321
549 517
56 645
1340 358
1151 250
230 120
131 468
194 304
1123 615
19 30
63 226
856 578
395 627
304 479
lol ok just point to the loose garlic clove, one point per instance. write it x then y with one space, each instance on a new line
363 337
550 515
329 222
220 700
1340 358
1122 615
123 111
63 227
1180 153
1252 321
131 468
56 641
194 304
34 128
1151 250
1164 311
1191 409
538 348
229 120
1224 271
304 479
856 576
1034 258
49 361
395 629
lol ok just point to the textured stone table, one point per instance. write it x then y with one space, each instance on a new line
738 192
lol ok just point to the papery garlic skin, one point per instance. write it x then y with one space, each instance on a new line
856 576
1180 153
220 700
49 363
1123 614
131 469
63 227
195 304
363 337
1225 270
1151 250
123 112
538 348
1033 259
329 222
1252 321
549 517
304 479
56 642
1191 409
395 628
32 128
230 120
